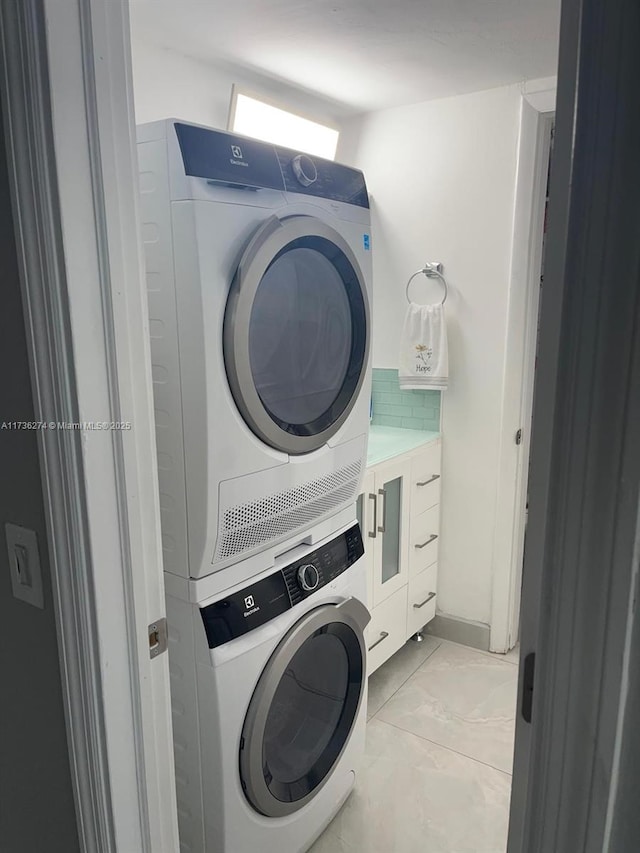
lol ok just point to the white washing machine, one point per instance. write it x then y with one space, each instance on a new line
269 700
259 286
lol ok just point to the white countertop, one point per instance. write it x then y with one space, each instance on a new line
386 442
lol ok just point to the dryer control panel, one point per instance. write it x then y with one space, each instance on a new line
259 602
237 161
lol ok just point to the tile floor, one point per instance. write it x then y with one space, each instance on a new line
437 772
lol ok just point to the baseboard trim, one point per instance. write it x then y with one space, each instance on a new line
463 631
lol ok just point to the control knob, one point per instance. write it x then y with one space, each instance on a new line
308 577
304 169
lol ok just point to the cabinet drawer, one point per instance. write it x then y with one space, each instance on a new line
387 631
421 603
424 540
425 480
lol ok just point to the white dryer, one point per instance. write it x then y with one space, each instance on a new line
268 682
259 288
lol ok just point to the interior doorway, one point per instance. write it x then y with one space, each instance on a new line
536 128
528 394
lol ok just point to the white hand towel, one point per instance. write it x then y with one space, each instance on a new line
424 360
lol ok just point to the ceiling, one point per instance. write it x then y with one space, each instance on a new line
364 54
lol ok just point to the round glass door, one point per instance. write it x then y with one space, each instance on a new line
296 334
301 716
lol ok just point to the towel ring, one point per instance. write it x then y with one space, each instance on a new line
431 270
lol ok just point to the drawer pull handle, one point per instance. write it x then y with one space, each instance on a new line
426 482
383 527
383 636
428 542
373 497
426 601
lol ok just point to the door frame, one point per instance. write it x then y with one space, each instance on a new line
576 745
537 110
70 136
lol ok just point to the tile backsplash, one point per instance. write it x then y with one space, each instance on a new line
393 406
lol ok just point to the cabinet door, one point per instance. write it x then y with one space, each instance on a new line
366 513
391 551
387 631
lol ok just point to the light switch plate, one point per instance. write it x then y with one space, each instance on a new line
24 564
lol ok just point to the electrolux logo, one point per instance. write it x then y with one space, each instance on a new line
251 606
238 157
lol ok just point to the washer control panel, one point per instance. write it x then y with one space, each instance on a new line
259 602
320 567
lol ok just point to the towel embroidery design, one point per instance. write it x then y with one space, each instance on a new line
424 355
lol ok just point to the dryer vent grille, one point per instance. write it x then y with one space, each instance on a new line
258 522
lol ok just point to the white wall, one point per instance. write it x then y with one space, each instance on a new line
169 84
442 177
166 84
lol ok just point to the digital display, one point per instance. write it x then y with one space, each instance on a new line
333 558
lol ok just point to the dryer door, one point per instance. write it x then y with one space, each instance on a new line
296 333
303 709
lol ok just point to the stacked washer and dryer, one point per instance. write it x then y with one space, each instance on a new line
259 288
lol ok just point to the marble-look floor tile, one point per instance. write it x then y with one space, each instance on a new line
463 700
416 796
328 842
393 673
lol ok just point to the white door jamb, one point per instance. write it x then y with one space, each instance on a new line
66 85
537 107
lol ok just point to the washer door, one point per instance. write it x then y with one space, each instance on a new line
296 333
303 709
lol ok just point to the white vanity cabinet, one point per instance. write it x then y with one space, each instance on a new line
399 516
